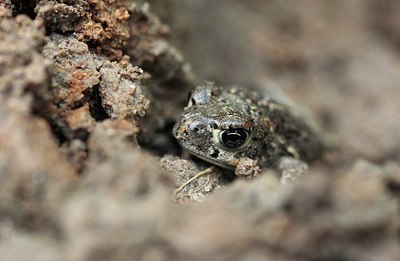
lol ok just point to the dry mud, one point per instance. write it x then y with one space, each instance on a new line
89 91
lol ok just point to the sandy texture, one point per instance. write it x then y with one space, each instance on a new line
189 187
89 91
101 24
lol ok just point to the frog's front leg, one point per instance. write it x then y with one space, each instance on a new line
247 167
290 169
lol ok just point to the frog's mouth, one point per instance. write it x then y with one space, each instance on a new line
220 164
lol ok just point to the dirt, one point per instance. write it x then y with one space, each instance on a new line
90 90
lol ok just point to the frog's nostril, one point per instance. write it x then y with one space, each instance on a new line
195 127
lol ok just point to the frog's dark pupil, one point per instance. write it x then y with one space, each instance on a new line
234 137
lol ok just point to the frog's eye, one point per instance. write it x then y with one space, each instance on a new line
234 138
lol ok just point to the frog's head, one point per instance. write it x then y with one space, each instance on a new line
216 126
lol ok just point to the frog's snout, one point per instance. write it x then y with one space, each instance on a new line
175 130
188 129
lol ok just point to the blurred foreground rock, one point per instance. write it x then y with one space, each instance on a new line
88 93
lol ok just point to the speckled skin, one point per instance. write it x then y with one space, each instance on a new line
275 131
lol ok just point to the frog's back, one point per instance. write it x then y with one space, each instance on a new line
291 134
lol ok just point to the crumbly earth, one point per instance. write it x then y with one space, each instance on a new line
188 187
90 90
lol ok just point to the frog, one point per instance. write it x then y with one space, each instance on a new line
226 126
